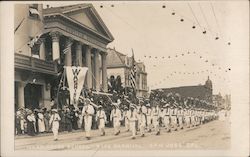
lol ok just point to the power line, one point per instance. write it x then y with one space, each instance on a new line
209 28
192 11
216 20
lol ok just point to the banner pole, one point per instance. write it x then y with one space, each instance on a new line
59 86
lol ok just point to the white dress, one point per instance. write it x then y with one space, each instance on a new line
101 116
87 113
132 117
54 121
117 117
41 124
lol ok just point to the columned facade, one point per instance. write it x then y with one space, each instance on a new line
55 45
89 66
42 51
104 72
97 71
21 86
79 54
93 74
68 53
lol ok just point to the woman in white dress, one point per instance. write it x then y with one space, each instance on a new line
41 124
54 123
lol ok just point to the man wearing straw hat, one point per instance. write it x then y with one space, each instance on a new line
166 117
148 118
174 117
141 122
186 116
116 117
54 123
155 118
125 117
132 117
180 116
101 119
87 113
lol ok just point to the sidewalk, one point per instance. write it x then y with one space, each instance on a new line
96 131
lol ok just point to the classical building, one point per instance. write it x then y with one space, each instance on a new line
202 92
69 35
119 64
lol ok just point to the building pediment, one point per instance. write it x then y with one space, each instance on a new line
83 15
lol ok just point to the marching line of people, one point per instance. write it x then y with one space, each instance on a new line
138 119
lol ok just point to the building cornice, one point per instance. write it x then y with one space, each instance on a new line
53 16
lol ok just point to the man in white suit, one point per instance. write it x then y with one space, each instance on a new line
132 117
141 122
148 118
87 113
155 114
101 119
116 117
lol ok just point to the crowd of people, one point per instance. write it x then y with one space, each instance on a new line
168 112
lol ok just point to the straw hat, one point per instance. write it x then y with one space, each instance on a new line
54 110
115 104
28 111
165 106
132 106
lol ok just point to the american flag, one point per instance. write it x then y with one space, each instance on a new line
34 40
132 76
67 47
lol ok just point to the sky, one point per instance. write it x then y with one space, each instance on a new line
155 34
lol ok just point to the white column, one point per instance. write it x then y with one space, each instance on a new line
21 86
55 45
88 63
97 70
79 54
104 72
68 55
42 49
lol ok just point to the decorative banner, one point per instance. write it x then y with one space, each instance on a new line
75 78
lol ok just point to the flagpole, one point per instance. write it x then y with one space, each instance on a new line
133 65
59 86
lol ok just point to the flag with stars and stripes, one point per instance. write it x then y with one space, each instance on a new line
34 40
132 76
67 47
